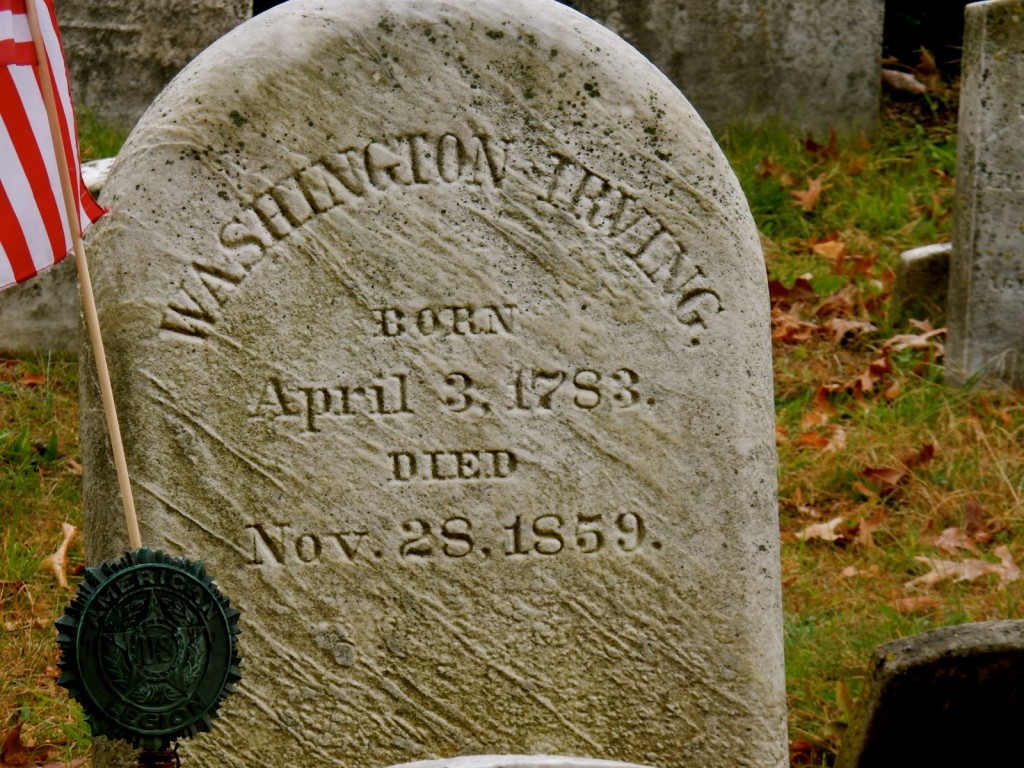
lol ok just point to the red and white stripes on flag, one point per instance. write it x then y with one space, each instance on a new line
34 231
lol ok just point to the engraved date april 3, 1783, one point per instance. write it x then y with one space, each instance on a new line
312 405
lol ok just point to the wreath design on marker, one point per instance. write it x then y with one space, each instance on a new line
134 649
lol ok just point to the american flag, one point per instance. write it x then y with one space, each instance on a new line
34 229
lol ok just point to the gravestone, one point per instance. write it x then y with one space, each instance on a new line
922 279
121 53
441 336
986 285
946 698
40 317
811 64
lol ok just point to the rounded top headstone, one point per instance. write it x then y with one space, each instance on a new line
441 331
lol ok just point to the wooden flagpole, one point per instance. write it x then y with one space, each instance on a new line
71 204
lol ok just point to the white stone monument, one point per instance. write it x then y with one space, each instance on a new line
440 332
986 283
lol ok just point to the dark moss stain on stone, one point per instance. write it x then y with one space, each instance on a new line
238 118
592 90
495 34
386 24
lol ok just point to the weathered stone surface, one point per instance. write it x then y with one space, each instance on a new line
804 62
121 53
986 288
946 698
441 335
41 315
517 761
922 278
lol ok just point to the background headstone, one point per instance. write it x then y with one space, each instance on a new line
922 279
946 698
40 317
814 65
121 53
986 288
441 335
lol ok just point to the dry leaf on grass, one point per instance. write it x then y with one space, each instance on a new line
867 527
31 379
974 518
802 292
58 561
14 752
808 198
890 478
840 328
823 531
953 539
927 339
842 302
788 328
830 249
967 570
915 604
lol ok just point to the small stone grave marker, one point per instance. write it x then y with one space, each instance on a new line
986 288
946 698
441 335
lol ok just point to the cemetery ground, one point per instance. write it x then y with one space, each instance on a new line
900 499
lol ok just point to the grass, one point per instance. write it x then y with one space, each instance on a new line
40 489
867 432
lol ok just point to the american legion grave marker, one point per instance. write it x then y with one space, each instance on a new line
986 286
440 330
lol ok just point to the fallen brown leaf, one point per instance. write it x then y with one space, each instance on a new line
841 303
58 561
867 527
870 376
974 519
823 531
864 490
14 752
824 151
953 539
31 379
830 249
915 604
802 292
967 570
885 476
808 198
813 440
914 459
790 329
841 328
928 339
